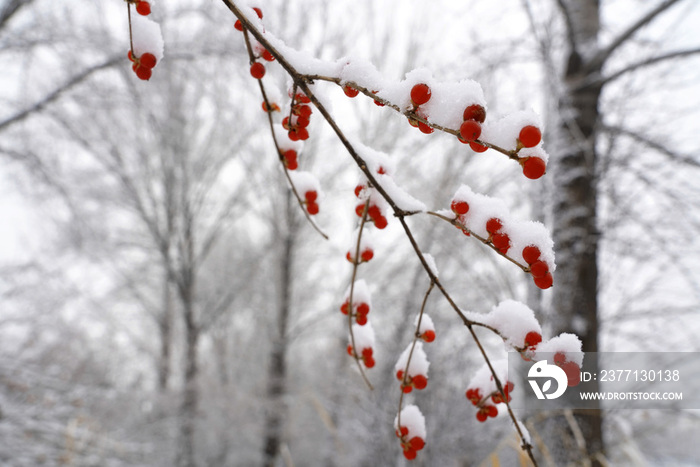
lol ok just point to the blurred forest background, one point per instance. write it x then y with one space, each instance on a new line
163 300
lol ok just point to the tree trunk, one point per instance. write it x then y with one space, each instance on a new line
277 371
575 211
190 399
165 328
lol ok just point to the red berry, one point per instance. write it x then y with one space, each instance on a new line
311 196
302 122
238 25
360 209
358 190
290 159
378 104
531 254
293 135
420 94
399 375
532 338
344 308
427 129
493 225
410 454
148 60
369 362
380 222
407 389
476 147
257 70
501 241
530 136
404 431
417 443
481 416
545 281
459 207
348 256
349 349
367 255
363 308
420 381
143 8
573 373
491 411
475 112
131 57
367 352
428 336
258 11
373 211
266 55
413 122
361 319
143 72
303 111
470 130
350 92
302 133
534 168
312 208
539 269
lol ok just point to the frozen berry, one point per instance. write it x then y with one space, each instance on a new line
476 147
380 222
545 281
349 349
534 167
530 136
532 339
367 255
459 207
143 72
481 416
361 319
475 112
417 443
148 60
428 336
539 269
238 25
427 129
290 159
143 8
501 241
407 389
493 225
363 308
369 362
344 308
470 130
399 375
350 92
258 12
257 70
420 94
420 381
266 55
531 254
410 454
311 196
312 208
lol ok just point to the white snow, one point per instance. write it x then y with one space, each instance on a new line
566 343
413 419
483 379
504 132
431 264
146 37
364 337
426 323
305 181
419 361
360 294
512 319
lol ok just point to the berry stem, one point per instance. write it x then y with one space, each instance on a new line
413 346
355 264
131 35
280 155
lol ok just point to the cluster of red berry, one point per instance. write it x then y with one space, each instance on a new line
487 403
572 370
143 65
409 382
410 446
500 240
366 355
538 268
300 117
533 167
